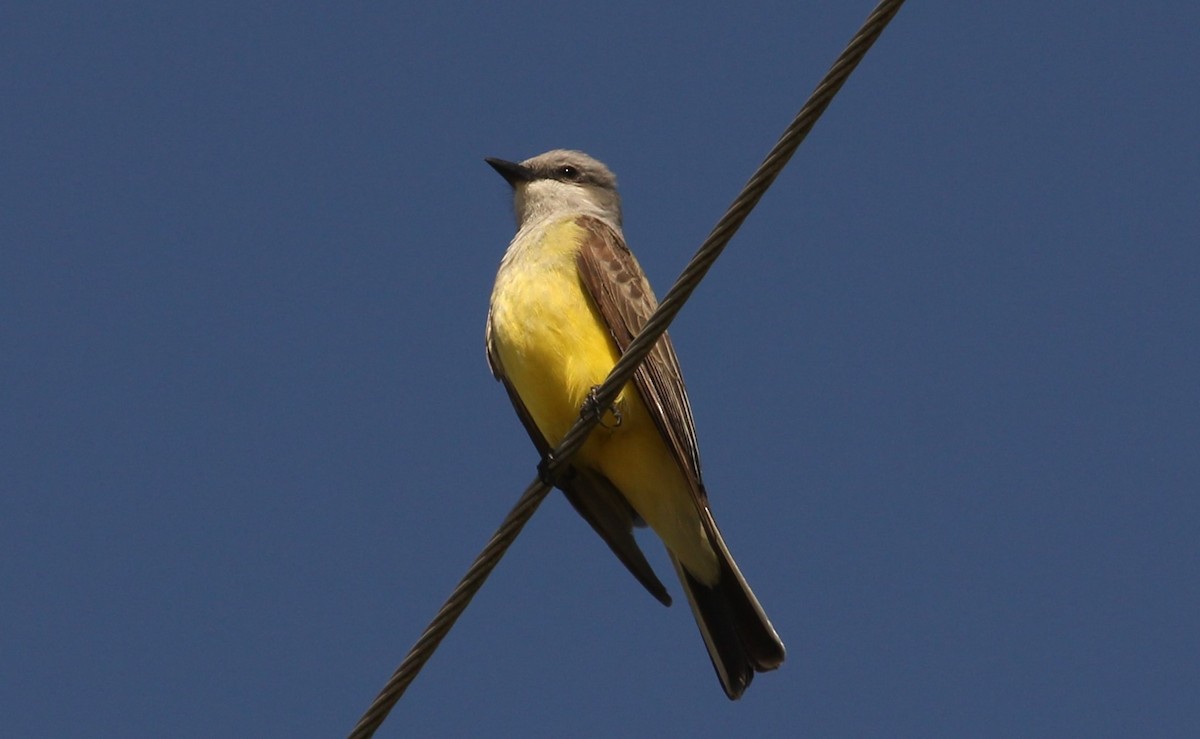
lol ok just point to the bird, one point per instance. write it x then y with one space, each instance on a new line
569 297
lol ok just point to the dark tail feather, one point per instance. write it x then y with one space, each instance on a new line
603 506
738 634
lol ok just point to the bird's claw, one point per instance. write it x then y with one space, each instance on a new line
591 409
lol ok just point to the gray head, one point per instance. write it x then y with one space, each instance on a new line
561 182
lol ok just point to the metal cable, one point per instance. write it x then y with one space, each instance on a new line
695 270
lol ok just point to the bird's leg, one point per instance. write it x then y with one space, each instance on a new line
591 409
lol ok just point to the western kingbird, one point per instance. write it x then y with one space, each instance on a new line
569 298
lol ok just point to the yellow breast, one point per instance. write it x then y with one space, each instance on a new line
551 341
554 347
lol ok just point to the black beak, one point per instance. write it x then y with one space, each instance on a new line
511 171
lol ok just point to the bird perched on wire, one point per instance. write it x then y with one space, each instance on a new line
569 298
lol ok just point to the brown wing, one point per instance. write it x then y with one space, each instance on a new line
620 290
737 633
594 497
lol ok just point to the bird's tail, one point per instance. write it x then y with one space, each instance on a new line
740 638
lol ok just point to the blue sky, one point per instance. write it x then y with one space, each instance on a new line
944 379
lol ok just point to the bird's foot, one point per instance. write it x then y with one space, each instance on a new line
591 409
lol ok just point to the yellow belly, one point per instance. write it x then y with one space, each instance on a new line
554 348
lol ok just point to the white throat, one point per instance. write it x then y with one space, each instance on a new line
542 200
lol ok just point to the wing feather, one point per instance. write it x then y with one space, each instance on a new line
619 288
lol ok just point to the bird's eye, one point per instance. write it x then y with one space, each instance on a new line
568 172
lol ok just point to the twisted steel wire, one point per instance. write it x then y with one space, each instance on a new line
670 306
